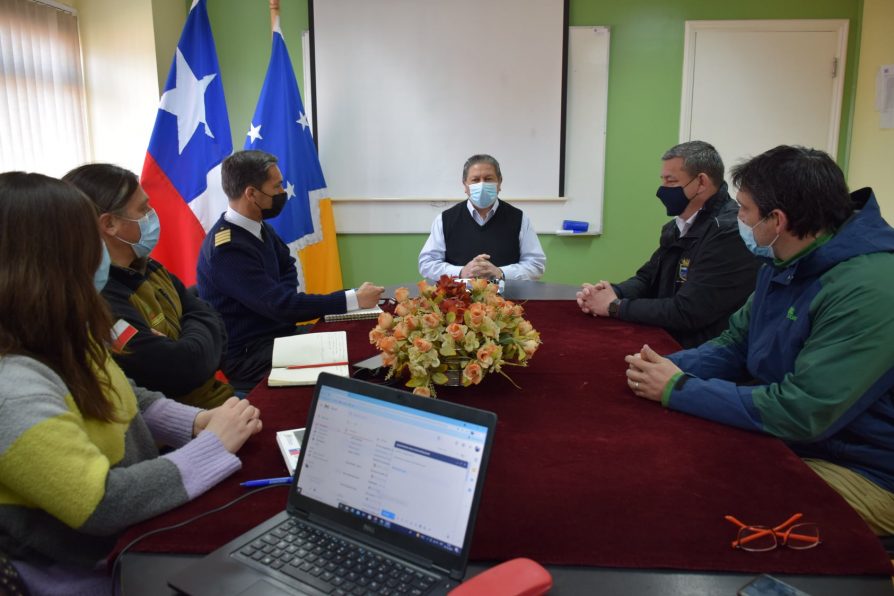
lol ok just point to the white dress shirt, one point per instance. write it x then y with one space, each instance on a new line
531 263
684 224
254 228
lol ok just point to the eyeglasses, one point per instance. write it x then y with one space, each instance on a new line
797 536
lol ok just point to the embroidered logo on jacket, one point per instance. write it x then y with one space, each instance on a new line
683 270
790 315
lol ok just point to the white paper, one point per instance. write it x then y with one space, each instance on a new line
310 348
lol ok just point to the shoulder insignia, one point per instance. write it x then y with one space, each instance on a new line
222 237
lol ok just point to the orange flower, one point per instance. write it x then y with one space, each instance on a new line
411 323
477 312
400 331
401 310
423 391
486 355
376 335
385 320
387 344
431 320
422 344
473 372
456 331
388 359
401 294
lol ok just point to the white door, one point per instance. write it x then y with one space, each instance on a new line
751 85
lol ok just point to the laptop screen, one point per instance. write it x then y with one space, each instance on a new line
407 470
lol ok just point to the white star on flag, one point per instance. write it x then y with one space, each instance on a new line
290 190
187 102
302 120
255 133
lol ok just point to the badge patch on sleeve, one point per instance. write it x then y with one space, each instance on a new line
122 332
683 270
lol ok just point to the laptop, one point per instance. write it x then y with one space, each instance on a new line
384 501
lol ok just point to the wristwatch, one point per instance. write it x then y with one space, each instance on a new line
614 308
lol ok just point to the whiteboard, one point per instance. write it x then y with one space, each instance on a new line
372 195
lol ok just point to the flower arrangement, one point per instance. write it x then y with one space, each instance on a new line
453 328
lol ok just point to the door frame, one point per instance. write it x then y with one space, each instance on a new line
838 26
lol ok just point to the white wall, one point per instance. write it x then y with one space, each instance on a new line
872 148
121 74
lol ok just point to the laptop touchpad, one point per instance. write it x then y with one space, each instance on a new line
265 588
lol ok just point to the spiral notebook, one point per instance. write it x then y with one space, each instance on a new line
355 315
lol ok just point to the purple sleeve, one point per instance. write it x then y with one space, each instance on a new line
203 462
170 422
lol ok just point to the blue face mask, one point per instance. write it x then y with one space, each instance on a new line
150 228
483 194
747 234
674 198
102 274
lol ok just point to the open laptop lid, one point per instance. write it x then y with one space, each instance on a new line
404 471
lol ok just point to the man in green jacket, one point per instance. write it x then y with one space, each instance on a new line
810 357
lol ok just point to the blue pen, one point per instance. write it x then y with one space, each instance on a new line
267 482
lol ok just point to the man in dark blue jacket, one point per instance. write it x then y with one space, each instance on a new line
246 272
810 357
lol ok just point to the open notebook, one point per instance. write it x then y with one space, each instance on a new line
299 359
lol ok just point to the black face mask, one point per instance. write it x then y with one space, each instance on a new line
279 202
673 197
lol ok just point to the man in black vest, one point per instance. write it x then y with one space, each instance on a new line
701 272
483 236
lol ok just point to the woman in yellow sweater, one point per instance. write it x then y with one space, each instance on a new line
78 455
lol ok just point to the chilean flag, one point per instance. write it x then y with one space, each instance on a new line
181 174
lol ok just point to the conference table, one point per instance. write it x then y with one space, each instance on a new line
613 493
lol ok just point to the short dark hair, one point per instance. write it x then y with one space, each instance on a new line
481 158
698 157
108 186
244 169
805 184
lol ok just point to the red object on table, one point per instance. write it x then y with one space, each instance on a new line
518 577
582 471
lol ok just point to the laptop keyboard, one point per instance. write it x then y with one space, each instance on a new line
331 564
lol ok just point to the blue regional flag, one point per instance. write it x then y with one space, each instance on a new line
280 127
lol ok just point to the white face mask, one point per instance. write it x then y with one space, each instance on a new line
150 229
483 194
747 234
101 277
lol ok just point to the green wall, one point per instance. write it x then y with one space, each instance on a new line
643 119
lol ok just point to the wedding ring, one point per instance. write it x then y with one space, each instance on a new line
636 385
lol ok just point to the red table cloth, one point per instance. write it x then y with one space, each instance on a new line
582 471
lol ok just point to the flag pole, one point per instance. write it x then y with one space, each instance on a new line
274 14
